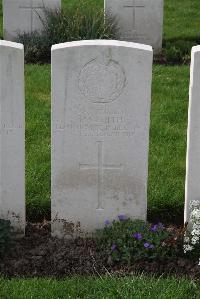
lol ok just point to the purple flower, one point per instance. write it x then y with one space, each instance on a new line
161 226
137 236
121 217
151 246
146 245
154 228
113 247
107 222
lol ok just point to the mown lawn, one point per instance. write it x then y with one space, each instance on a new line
100 288
38 140
168 124
168 142
166 167
181 18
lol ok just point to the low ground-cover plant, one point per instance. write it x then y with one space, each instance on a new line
126 241
192 237
37 47
6 236
178 51
82 21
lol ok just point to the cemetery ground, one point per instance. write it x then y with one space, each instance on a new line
181 19
165 183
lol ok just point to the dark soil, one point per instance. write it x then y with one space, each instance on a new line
40 255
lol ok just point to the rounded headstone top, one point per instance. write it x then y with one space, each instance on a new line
114 43
5 43
196 49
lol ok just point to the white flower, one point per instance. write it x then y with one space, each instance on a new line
195 232
187 248
196 226
186 239
195 214
194 240
194 221
194 203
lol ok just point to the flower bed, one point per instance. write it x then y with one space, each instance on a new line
40 255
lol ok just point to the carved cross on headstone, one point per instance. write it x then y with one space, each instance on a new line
32 8
100 167
134 4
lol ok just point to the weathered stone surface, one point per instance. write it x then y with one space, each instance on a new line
192 192
101 94
139 21
21 16
12 153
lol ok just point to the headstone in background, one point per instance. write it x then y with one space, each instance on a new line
193 142
101 96
21 16
12 135
139 21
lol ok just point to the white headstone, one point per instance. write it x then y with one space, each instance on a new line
101 95
139 21
21 16
193 144
12 135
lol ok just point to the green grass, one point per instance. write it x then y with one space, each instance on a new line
168 123
38 140
181 27
166 166
65 4
167 141
181 18
100 288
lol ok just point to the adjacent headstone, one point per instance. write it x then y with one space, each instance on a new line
12 136
25 16
101 95
192 194
138 21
